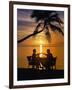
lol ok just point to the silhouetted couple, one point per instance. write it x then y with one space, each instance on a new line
48 55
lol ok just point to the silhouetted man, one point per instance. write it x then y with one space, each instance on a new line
49 58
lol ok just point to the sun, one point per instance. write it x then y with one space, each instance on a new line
41 41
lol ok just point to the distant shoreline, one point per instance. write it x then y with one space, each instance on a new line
53 45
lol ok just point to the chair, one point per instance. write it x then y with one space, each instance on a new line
29 60
33 63
53 64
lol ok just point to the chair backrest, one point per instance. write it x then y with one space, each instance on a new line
29 60
32 62
29 57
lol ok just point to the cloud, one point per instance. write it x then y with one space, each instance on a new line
25 23
24 15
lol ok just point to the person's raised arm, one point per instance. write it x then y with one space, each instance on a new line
44 54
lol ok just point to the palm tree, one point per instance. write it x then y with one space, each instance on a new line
46 21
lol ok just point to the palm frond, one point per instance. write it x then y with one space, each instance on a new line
41 14
56 19
56 28
47 33
53 15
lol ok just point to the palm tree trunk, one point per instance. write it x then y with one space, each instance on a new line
19 41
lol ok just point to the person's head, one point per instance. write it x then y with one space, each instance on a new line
34 51
48 51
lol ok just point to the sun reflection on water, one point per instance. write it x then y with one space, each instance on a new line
41 50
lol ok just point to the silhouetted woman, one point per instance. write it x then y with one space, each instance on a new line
35 61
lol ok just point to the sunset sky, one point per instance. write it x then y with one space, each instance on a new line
25 26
